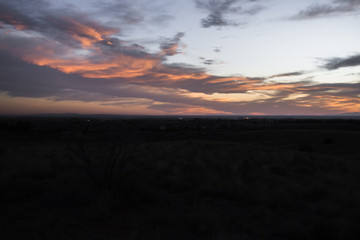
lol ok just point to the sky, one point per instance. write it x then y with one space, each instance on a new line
188 57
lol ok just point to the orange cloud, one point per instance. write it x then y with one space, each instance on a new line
85 34
344 104
190 110
180 76
119 66
240 80
199 111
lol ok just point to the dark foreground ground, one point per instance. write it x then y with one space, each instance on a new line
84 179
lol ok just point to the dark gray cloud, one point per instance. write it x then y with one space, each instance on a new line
170 46
346 91
289 74
19 78
111 47
209 62
179 68
216 20
218 9
67 25
18 13
322 10
335 63
73 27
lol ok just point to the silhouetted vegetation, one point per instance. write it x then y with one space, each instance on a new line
179 178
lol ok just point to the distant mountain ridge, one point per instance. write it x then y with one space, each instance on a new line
350 114
354 115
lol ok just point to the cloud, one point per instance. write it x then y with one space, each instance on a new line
170 46
19 78
70 27
188 91
123 11
217 9
253 10
289 74
132 13
217 49
337 7
335 63
69 56
120 70
22 79
209 61
12 14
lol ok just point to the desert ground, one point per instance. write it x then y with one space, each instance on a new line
179 178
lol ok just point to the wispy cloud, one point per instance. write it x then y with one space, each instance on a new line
133 13
337 7
290 74
218 9
208 61
170 46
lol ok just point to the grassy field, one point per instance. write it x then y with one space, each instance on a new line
162 179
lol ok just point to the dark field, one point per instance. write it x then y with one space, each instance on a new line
168 178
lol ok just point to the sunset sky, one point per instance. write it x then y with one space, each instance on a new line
180 57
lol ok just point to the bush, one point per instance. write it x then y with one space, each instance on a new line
104 161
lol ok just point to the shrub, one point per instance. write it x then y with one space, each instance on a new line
103 161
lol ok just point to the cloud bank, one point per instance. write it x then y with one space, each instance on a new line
59 56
